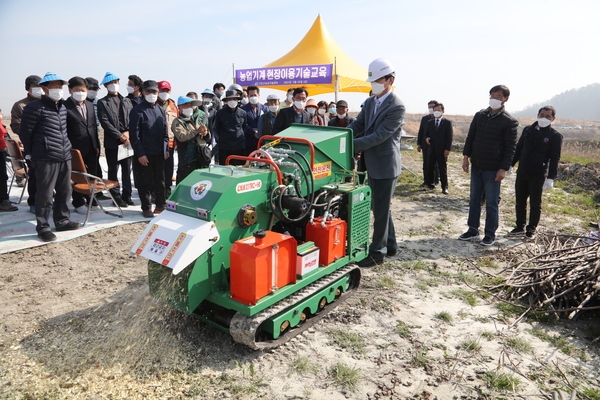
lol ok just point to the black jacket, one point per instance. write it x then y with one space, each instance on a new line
336 121
109 119
229 126
538 151
43 130
491 140
440 137
287 117
422 127
148 130
83 133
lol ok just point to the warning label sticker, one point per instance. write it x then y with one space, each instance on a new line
322 170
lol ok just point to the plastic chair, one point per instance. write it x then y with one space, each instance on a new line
19 165
89 185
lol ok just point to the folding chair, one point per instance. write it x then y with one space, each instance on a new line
19 165
89 185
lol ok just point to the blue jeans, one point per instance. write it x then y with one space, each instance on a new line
484 182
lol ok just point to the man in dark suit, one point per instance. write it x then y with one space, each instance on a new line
113 113
438 137
82 132
377 131
422 144
296 114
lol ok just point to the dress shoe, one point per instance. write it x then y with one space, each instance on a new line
69 226
369 262
391 253
102 196
147 213
158 210
129 202
47 236
121 203
444 191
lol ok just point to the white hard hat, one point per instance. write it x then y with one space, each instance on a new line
378 68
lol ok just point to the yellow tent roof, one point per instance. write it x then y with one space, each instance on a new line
318 47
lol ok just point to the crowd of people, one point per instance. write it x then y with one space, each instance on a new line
220 123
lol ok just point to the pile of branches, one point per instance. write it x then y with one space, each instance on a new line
564 277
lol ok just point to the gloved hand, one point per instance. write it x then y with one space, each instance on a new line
509 172
548 184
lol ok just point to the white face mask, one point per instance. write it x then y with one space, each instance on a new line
113 87
300 104
37 92
341 116
206 101
290 98
55 94
187 112
91 94
273 109
244 100
164 96
311 110
377 88
430 111
151 98
544 122
495 104
232 103
130 89
253 100
322 111
437 114
79 96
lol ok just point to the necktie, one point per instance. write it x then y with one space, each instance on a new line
377 103
437 123
82 110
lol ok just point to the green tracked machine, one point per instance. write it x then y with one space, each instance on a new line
264 250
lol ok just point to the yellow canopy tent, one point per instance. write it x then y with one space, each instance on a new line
318 47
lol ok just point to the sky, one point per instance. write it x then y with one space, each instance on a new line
450 51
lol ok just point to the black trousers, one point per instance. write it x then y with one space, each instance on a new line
150 179
436 172
113 169
528 187
437 161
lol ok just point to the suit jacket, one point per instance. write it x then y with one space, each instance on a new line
440 137
377 136
109 119
287 117
82 133
422 127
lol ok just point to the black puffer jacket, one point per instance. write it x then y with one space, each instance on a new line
538 151
43 130
491 140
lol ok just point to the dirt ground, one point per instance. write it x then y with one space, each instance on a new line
77 322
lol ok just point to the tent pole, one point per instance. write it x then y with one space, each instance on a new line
336 78
233 71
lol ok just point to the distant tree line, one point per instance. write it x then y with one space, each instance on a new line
582 103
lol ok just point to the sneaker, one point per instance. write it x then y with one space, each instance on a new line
530 234
445 191
47 236
517 231
487 241
81 210
6 205
69 226
147 213
469 235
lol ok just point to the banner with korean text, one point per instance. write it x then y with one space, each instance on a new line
290 75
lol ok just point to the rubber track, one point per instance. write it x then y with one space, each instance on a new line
243 328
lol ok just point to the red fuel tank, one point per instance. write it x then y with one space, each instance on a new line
261 264
330 239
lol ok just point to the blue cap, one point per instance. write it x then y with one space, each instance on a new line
208 91
109 77
49 77
184 100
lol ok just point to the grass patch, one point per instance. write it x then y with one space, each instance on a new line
560 343
488 335
419 358
465 295
443 316
471 345
303 365
520 345
344 376
348 340
386 283
488 262
415 265
592 394
501 382
509 310
402 329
